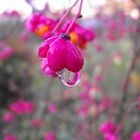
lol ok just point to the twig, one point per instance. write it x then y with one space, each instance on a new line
75 18
64 16
125 87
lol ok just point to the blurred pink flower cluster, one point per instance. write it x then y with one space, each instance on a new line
52 108
43 26
40 25
136 135
8 117
91 101
21 107
80 35
10 137
49 136
5 51
109 130
37 122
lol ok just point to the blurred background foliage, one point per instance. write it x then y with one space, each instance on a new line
66 111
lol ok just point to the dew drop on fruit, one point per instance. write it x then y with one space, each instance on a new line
68 78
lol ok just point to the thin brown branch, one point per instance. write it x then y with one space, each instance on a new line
125 88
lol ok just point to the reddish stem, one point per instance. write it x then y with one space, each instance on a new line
75 18
64 16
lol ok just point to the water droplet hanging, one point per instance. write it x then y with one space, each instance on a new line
68 78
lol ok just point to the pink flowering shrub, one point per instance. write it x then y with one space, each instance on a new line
97 56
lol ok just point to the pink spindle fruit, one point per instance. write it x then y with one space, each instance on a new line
61 53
